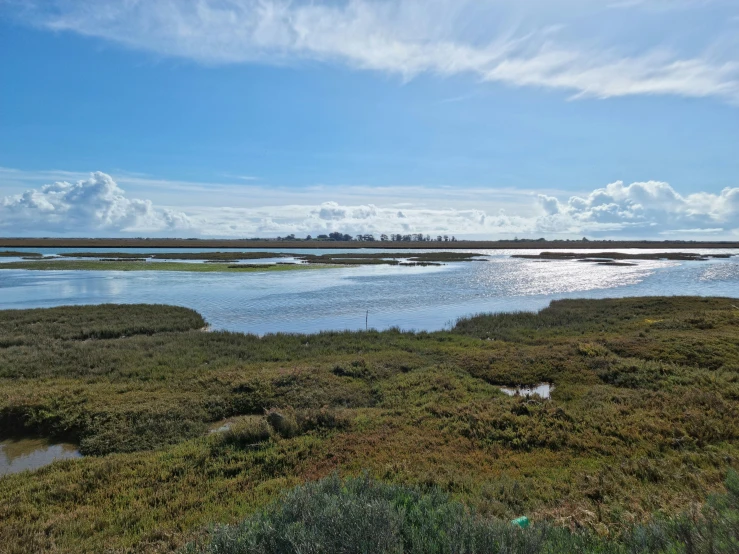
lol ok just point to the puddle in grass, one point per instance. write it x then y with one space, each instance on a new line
29 454
544 390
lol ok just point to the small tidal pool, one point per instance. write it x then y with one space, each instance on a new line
29 454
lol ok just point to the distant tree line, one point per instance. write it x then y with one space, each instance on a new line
367 237
412 237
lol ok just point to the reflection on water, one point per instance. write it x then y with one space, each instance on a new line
544 390
423 298
721 272
29 454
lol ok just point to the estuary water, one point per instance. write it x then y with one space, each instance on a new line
420 298
29 454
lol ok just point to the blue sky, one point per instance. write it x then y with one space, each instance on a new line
492 118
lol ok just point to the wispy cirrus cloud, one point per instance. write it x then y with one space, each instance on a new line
585 48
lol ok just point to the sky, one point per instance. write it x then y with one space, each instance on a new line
478 118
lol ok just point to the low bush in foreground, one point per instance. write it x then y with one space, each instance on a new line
361 515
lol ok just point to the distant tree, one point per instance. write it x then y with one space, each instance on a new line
322 237
438 238
383 237
308 237
446 238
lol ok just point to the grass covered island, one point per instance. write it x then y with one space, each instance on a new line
620 258
141 265
377 441
223 262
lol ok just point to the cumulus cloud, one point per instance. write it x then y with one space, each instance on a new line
358 219
92 205
587 48
640 206
639 210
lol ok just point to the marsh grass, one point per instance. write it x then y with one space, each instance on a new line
391 258
220 256
643 419
247 432
15 254
104 321
602 257
214 261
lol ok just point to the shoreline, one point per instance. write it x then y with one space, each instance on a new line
386 245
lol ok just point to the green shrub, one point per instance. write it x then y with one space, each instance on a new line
283 421
247 432
364 516
136 431
323 418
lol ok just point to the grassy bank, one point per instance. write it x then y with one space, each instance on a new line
13 254
595 256
213 262
643 420
392 258
205 256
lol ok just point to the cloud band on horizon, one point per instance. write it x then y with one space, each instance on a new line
98 206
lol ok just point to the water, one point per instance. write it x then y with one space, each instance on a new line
421 298
29 454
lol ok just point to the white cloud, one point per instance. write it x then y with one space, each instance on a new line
239 194
330 216
96 204
642 206
585 47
